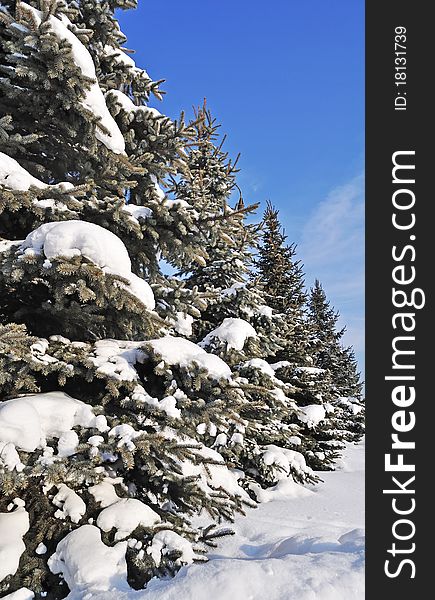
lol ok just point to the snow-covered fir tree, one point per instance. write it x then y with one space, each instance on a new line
282 278
238 324
131 400
95 446
342 401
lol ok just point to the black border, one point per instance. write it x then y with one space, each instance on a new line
389 130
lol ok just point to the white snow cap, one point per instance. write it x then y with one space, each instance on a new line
14 177
28 422
261 365
93 98
312 414
13 526
177 351
233 332
285 460
69 503
21 594
127 104
102 247
125 515
167 541
85 562
183 324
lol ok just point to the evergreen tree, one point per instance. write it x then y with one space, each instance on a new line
93 429
238 325
346 409
282 278
116 430
229 243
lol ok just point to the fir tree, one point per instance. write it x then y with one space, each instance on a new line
282 278
110 427
115 429
238 325
345 420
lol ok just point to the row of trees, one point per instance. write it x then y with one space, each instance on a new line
133 399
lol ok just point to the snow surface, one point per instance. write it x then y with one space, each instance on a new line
28 422
302 544
233 332
14 177
183 324
93 97
177 351
13 526
80 238
125 515
312 414
86 562
21 594
298 546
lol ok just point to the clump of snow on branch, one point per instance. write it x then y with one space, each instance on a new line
78 238
167 541
85 562
30 421
13 526
125 515
312 414
233 332
94 98
14 177
177 351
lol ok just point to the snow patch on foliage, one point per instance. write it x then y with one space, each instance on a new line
104 493
119 56
117 359
30 421
80 238
312 414
14 177
127 104
310 370
177 351
182 324
86 563
233 332
284 461
167 541
69 503
13 526
93 97
125 515
261 365
136 212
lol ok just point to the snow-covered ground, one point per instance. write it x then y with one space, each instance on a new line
299 544
303 545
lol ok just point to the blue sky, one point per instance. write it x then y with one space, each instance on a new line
286 80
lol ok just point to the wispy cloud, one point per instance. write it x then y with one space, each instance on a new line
332 249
